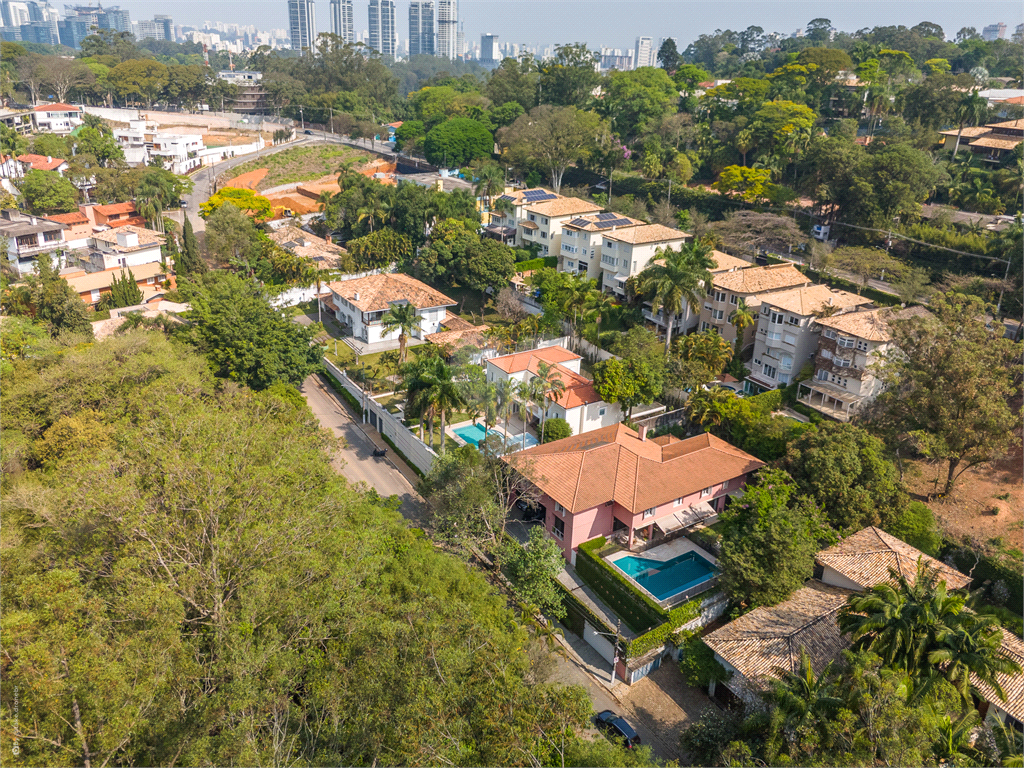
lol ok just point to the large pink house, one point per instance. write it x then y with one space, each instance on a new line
614 479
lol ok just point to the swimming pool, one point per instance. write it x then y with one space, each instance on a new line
475 433
663 579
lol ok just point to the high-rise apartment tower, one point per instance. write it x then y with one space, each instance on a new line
343 20
382 27
421 28
302 24
448 29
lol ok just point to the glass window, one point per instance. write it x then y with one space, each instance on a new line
769 371
718 314
846 342
719 296
704 326
705 492
734 299
828 333
648 513
783 378
558 529
559 508
679 501
602 411
822 375
777 317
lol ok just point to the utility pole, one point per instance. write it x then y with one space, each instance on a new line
1006 277
670 190
301 120
331 118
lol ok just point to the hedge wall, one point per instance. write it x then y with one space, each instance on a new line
677 617
546 261
767 402
636 609
576 612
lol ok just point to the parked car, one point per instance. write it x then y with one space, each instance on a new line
532 511
308 132
616 728
183 203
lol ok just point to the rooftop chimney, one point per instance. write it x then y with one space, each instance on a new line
643 432
356 297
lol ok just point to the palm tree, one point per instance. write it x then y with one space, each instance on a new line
679 277
599 306
549 387
403 318
901 620
707 348
578 291
804 698
374 210
524 396
741 318
704 406
954 745
744 143
972 646
490 181
442 392
971 110
505 400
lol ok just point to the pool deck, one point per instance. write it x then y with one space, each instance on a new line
663 554
513 434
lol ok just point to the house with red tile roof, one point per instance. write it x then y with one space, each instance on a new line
114 215
58 118
615 479
43 163
579 403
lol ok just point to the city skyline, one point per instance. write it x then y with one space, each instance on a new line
519 21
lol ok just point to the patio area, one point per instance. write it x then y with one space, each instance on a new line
829 399
510 433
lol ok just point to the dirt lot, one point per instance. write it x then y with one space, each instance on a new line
298 164
986 503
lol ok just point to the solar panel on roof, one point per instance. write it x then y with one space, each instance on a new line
618 222
506 197
537 195
607 216
579 222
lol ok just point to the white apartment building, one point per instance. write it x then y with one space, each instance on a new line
61 119
787 332
127 246
343 20
644 54
626 251
579 404
848 345
542 219
141 142
579 250
752 285
361 302
448 29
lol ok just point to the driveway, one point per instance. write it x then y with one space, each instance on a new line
356 460
663 704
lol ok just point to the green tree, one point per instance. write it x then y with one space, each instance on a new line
677 278
915 524
514 81
487 264
806 700
102 146
749 184
463 505
380 249
865 263
774 122
232 238
556 429
457 142
554 138
627 382
47 192
971 110
440 392
139 77
532 569
637 99
51 301
569 77
243 337
845 470
191 262
124 291
548 387
405 319
668 55
256 206
949 380
769 537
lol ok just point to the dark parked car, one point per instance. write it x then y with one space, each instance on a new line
616 728
532 511
308 132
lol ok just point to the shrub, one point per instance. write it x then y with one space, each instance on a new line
550 262
556 429
698 665
916 526
767 402
639 611
677 617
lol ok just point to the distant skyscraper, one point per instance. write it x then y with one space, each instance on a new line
448 29
489 48
994 32
421 28
644 54
116 19
302 23
343 20
165 24
382 27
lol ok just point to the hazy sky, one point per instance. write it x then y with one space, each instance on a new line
615 23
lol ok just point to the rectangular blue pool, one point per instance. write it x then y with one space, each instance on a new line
475 433
668 578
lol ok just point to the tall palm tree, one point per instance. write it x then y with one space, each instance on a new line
703 407
403 318
955 743
741 318
577 294
680 277
490 182
374 210
901 620
549 387
707 348
599 306
972 646
505 399
804 698
525 395
971 110
443 392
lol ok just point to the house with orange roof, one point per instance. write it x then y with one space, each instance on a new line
361 302
57 118
579 403
43 163
77 228
114 215
616 479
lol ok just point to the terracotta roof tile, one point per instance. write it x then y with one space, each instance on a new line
520 361
808 299
994 142
95 281
378 292
308 246
463 337
453 322
645 234
614 464
1012 685
115 208
1015 124
970 132
42 162
866 557
69 218
870 324
563 206
146 236
725 262
767 639
56 107
579 390
757 279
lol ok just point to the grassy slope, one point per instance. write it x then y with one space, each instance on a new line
298 164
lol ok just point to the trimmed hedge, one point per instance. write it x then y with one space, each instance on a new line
347 396
767 402
677 617
545 261
639 611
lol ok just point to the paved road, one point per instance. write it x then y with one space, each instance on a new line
356 460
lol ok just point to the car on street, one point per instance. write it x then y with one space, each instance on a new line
617 729
183 203
308 132
531 510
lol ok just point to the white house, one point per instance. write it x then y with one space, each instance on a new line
141 142
30 236
127 246
61 119
579 404
361 303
